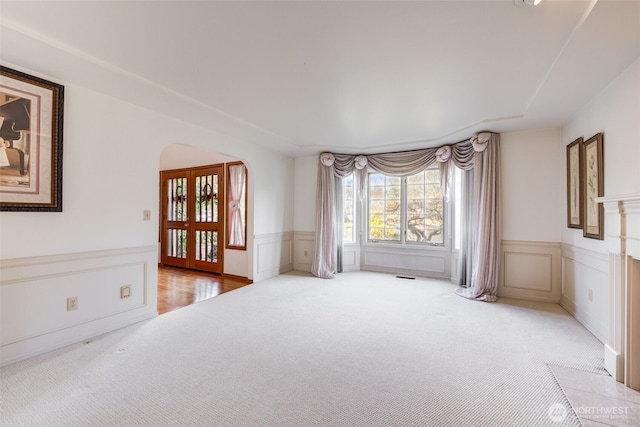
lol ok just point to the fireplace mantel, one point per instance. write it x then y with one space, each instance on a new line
622 231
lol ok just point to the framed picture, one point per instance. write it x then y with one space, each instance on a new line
575 193
31 116
593 183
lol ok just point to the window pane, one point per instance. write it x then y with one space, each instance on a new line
425 208
348 234
458 205
384 207
376 206
392 180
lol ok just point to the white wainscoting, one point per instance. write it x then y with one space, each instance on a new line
304 247
455 260
585 288
350 257
273 255
34 292
407 260
530 270
303 250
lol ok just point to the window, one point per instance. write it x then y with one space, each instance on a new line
406 210
348 209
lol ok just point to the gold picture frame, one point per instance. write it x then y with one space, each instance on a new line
31 118
575 192
593 185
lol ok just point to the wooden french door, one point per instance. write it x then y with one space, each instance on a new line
192 229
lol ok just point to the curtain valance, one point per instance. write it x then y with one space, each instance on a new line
405 163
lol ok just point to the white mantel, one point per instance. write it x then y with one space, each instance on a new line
622 231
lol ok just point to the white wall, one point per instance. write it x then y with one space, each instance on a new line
110 175
306 180
616 113
531 179
304 211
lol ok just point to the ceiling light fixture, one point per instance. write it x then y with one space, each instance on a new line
527 2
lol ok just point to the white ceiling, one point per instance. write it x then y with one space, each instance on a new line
302 77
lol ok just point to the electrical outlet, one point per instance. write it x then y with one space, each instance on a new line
125 291
590 294
72 303
146 215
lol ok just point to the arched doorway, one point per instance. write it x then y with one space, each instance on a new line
194 221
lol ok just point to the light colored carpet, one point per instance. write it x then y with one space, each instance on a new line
364 349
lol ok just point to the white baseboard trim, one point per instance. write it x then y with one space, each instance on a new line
614 363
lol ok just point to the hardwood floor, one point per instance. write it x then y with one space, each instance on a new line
179 287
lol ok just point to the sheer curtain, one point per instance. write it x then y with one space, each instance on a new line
482 149
237 182
486 226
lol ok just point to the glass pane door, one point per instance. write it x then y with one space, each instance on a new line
208 223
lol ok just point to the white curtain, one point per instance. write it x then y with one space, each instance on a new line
485 237
237 182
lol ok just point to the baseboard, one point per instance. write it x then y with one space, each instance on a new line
234 277
614 363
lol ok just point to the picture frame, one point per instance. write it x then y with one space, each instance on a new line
593 184
575 191
31 130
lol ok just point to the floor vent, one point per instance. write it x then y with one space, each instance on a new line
405 277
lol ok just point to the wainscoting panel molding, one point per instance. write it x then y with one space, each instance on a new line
303 250
34 296
351 257
273 255
530 270
585 288
414 261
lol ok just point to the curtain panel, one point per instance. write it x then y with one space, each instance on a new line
483 244
237 180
